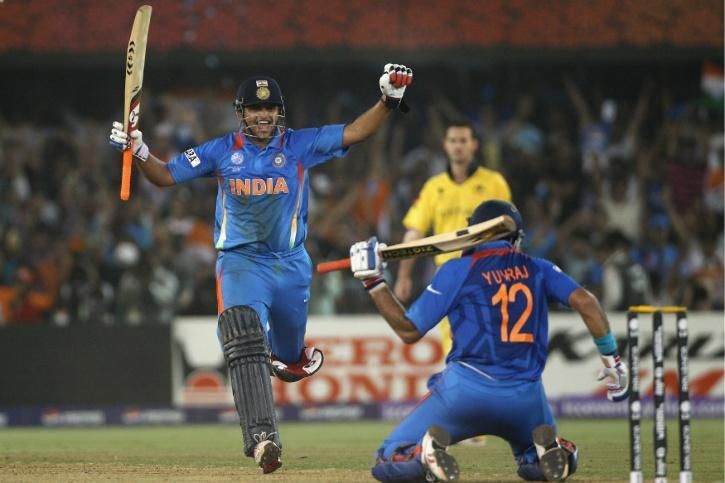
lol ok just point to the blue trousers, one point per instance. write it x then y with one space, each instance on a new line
276 287
468 404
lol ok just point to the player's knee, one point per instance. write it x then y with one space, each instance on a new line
241 335
396 451
530 472
399 471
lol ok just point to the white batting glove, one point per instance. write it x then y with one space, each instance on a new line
395 79
616 376
365 262
120 140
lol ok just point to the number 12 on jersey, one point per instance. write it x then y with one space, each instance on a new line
506 295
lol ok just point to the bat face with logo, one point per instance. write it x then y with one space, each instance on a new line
135 60
470 236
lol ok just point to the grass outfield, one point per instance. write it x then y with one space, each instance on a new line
314 452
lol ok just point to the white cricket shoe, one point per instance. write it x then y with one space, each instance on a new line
268 456
436 461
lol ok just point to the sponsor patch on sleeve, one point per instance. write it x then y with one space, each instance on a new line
192 157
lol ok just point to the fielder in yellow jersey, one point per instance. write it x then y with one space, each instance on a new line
445 203
447 200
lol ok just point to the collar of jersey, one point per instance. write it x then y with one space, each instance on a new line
469 172
498 247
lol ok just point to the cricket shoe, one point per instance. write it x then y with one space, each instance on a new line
310 362
438 464
268 456
553 453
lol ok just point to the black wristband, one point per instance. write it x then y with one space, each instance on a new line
391 103
371 283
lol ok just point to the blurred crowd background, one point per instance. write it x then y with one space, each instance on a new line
614 154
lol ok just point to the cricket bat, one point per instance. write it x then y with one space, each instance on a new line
468 237
135 60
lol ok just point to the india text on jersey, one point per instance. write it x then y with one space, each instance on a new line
258 186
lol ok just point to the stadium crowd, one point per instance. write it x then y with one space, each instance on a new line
620 181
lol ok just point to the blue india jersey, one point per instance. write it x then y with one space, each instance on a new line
496 300
262 192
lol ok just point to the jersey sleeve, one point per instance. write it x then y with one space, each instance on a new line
420 214
437 299
316 145
197 162
558 285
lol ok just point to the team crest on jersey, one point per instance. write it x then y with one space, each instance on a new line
279 160
237 158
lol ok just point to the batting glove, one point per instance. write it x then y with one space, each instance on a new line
395 79
120 140
616 376
366 264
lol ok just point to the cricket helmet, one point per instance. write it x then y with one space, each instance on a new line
259 90
493 208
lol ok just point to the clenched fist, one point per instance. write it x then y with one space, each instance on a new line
393 82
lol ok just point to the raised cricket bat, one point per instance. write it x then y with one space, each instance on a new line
135 60
452 241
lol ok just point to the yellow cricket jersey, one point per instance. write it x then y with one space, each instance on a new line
444 205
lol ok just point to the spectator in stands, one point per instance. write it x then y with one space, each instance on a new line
621 198
27 300
624 281
657 254
580 260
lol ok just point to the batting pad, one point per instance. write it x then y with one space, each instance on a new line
245 350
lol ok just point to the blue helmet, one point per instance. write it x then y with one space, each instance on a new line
493 208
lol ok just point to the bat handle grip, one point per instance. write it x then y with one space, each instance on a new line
126 174
333 265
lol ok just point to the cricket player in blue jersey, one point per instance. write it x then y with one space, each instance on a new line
263 271
496 299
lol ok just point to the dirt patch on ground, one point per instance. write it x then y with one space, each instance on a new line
39 472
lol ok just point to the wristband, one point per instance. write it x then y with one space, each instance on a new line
607 345
371 283
393 103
